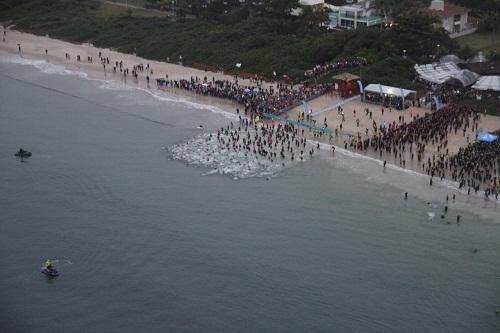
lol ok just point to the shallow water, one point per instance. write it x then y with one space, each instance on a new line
155 245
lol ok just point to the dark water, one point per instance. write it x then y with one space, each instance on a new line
146 244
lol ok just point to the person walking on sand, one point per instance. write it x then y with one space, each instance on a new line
19 48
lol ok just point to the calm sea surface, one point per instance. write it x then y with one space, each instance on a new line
148 244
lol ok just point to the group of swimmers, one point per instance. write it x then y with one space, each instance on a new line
277 143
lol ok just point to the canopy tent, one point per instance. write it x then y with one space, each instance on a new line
388 90
446 73
437 73
463 78
387 95
487 137
479 58
488 83
451 58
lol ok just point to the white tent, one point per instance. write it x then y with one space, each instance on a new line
451 58
388 90
437 73
478 58
488 83
463 78
447 72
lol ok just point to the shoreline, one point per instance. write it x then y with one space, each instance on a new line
35 46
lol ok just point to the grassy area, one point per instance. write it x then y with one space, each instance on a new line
108 9
486 42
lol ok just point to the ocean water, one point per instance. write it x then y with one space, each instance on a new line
146 243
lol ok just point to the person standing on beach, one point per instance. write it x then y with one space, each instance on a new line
19 48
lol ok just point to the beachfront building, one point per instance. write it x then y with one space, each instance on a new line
453 18
363 13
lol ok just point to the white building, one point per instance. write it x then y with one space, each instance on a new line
360 14
453 18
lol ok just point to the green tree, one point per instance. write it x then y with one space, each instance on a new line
313 18
280 8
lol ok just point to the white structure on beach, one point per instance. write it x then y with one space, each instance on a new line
446 73
488 83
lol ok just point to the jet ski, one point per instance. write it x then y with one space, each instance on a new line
50 272
22 153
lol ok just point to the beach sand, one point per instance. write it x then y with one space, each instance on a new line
34 47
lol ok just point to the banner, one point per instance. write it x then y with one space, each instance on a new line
436 102
360 85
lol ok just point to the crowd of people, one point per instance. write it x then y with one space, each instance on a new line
333 66
478 163
477 166
277 143
256 100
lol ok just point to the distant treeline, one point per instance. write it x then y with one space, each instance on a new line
283 43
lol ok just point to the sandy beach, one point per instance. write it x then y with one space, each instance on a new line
356 120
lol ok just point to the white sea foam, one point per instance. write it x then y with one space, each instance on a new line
165 97
206 151
115 85
43 65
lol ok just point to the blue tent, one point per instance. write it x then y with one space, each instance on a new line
487 137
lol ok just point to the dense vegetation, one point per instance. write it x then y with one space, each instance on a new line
264 40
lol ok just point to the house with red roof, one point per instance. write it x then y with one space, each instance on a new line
453 18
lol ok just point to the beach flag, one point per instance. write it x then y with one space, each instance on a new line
436 101
304 103
360 85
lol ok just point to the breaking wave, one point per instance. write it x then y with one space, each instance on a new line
43 65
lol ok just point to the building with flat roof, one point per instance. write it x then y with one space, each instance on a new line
352 16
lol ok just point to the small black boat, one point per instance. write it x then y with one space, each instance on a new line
22 153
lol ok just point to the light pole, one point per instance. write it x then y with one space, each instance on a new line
404 54
438 46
